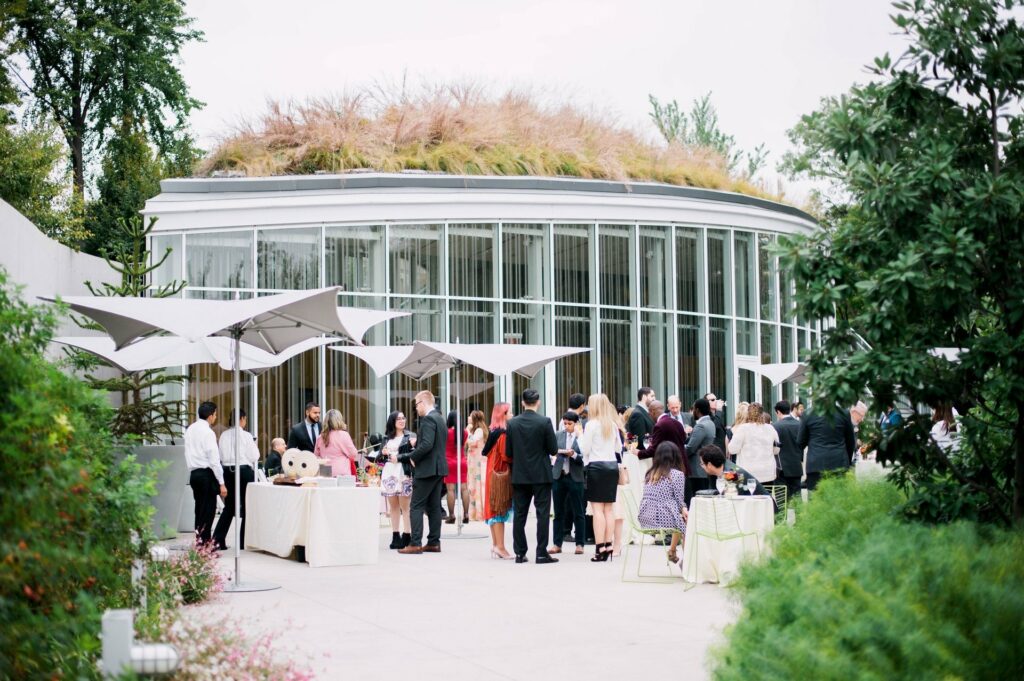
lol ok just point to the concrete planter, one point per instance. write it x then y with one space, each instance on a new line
172 485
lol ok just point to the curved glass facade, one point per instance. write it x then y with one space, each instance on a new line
662 304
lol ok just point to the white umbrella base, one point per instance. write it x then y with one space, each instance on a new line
247 587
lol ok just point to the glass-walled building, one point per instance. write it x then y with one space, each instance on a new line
667 285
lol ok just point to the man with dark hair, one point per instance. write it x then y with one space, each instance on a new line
529 443
791 454
248 460
666 429
703 434
567 488
206 477
430 467
303 435
640 423
716 417
829 440
797 410
714 463
578 404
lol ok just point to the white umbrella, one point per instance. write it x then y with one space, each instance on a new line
158 352
776 373
270 323
426 358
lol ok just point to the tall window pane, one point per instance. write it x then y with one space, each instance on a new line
425 323
653 281
210 383
689 269
352 387
787 343
574 374
222 260
768 272
282 395
288 258
617 353
472 321
354 258
415 253
573 266
769 394
719 273
743 257
656 345
170 269
471 257
526 324
720 358
616 270
746 341
691 358
787 304
524 251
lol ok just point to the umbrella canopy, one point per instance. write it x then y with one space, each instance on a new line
271 323
795 372
158 352
426 358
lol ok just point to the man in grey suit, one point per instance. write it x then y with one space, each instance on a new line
829 440
429 469
703 434
675 410
791 454
567 488
529 443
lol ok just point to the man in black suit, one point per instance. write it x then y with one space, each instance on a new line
429 468
716 417
666 429
791 454
829 440
303 435
567 488
640 423
529 444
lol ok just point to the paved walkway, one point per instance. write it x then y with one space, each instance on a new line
462 615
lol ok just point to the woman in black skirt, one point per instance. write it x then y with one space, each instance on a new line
600 443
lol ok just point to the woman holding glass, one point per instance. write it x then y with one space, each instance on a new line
396 478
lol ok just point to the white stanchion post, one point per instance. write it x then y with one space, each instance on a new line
117 634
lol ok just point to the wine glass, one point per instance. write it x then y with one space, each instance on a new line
751 485
720 484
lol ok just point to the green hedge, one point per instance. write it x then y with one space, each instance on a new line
851 592
69 507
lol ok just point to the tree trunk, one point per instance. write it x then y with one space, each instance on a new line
78 165
1018 466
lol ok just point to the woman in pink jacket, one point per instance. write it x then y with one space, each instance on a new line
335 445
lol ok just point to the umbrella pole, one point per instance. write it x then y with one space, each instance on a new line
458 462
236 585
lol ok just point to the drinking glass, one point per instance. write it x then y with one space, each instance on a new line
751 485
720 484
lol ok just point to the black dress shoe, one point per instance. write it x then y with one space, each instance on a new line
220 547
545 559
522 559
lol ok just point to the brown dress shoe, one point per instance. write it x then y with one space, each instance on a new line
411 549
432 548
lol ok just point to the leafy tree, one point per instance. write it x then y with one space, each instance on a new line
145 413
95 61
928 250
700 129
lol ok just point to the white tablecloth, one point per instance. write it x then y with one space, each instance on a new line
709 560
337 525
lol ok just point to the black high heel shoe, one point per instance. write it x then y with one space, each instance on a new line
600 554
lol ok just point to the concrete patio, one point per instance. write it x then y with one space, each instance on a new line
463 615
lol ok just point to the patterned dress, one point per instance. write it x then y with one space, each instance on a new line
475 474
663 504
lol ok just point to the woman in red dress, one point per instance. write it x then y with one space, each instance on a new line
450 480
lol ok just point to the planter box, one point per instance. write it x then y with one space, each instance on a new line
171 486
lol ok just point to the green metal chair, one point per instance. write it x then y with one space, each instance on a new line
632 513
724 526
780 494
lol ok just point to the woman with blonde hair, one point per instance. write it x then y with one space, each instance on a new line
335 445
498 472
476 437
741 418
754 445
600 444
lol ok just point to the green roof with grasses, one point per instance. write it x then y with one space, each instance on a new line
463 131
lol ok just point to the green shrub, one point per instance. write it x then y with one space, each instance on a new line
70 507
852 592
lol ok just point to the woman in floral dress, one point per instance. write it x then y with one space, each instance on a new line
476 436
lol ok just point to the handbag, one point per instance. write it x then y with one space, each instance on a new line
623 475
499 486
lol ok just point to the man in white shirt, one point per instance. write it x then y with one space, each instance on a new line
206 477
249 456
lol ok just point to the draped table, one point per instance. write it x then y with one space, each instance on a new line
706 559
336 525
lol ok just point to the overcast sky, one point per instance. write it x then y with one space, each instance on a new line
766 63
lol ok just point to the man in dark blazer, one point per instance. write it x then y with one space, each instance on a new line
529 444
429 468
716 417
830 442
791 454
666 429
703 434
304 434
640 423
567 488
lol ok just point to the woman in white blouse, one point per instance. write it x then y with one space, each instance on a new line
754 444
599 445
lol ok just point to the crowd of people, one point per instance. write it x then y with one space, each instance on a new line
512 462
